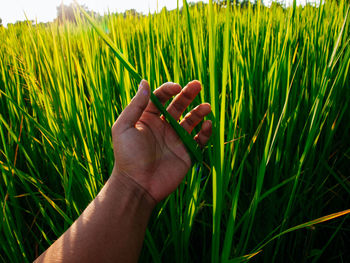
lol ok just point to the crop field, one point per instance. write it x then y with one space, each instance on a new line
274 184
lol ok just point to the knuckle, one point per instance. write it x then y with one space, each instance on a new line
178 107
190 121
187 95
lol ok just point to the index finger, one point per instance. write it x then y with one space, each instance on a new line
163 93
184 99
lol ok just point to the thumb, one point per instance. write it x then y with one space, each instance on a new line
132 113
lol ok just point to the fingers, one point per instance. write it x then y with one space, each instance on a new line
204 134
191 120
184 98
163 93
132 113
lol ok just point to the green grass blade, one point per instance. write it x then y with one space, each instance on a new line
307 224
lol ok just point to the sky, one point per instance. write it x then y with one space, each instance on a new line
45 10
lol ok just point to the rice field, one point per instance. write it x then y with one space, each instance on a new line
274 183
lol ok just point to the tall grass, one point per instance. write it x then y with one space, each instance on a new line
276 170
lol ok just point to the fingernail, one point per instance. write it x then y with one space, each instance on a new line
144 91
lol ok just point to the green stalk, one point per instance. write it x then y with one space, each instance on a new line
216 151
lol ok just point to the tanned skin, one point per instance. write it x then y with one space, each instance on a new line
150 163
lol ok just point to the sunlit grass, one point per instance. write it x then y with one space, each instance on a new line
278 83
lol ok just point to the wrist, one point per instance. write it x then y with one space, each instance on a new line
125 183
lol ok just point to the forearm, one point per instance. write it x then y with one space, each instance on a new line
111 229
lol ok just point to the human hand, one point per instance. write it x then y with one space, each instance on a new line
147 149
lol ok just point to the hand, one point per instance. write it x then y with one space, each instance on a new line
147 149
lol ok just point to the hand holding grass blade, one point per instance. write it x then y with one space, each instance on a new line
190 144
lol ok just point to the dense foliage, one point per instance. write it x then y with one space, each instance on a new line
278 82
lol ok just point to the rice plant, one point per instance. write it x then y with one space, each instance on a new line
273 184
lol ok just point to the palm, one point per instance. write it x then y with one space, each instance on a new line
151 151
158 132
